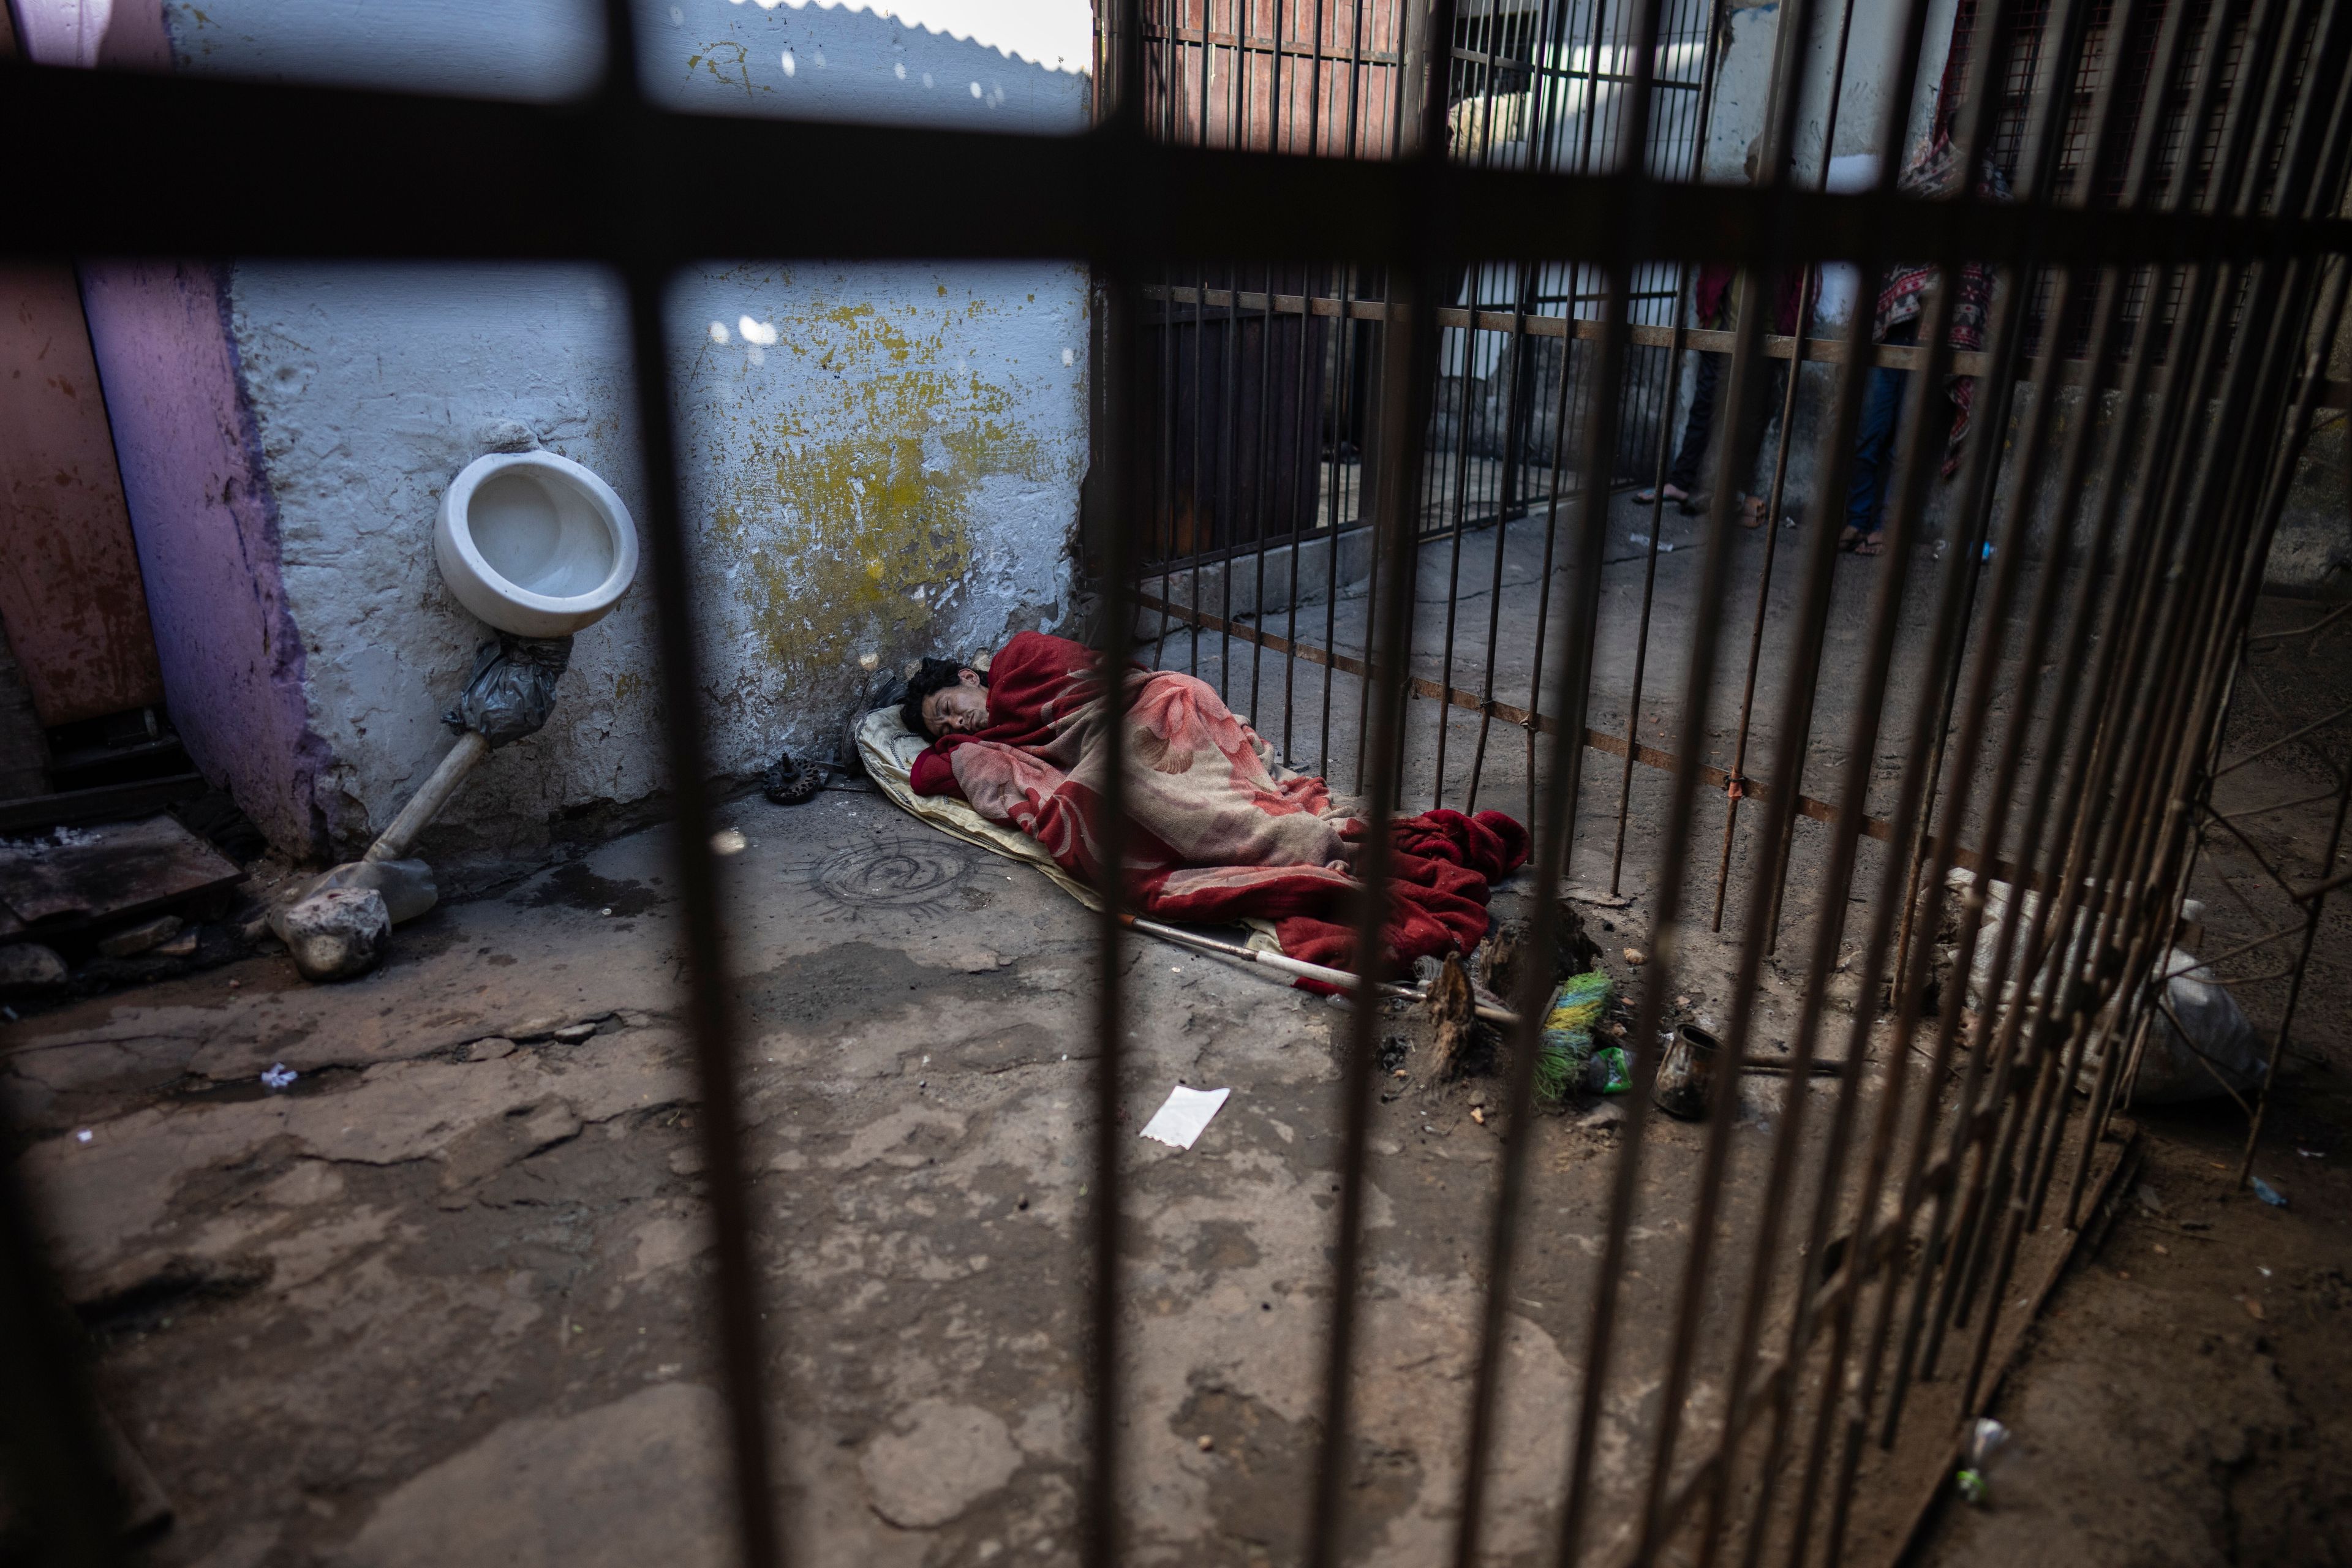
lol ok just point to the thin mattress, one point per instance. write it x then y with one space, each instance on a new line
888 749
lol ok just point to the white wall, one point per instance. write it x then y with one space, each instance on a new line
1745 80
887 464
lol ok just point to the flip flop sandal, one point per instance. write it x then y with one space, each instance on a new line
1646 498
1871 545
1850 540
788 782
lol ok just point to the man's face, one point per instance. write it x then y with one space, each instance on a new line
960 709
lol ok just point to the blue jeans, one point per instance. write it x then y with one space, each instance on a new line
1874 451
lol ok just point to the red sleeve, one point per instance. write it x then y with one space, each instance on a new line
934 774
1711 292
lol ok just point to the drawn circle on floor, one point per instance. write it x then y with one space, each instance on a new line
900 874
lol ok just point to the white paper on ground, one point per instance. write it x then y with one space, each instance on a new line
1187 1112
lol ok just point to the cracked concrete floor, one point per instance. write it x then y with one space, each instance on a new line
443 1301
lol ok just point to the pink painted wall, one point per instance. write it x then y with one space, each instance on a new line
207 535
117 34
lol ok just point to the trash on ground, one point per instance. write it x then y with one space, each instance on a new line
1185 1115
1986 1438
277 1076
788 782
1564 1050
133 939
1449 1009
2220 1054
1633 955
2269 1194
337 934
1608 1072
1584 895
29 966
84 1136
1685 1083
729 841
1663 547
77 877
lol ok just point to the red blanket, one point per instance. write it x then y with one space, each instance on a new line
1218 829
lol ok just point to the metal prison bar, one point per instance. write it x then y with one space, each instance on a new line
1838 1327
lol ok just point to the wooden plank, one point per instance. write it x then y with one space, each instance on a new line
71 598
104 802
78 877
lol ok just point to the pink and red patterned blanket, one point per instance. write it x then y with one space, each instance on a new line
1219 831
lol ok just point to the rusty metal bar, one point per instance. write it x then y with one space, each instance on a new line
1771 518
2101 754
710 1007
1408 369
1920 442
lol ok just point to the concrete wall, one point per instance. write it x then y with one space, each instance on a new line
1745 79
880 460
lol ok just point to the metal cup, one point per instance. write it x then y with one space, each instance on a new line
1685 1080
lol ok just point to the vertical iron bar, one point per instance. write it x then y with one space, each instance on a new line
1124 408
1544 583
1502 532
2069 667
1666 934
1805 291
1409 370
710 992
1921 447
1557 828
710 1011
1665 458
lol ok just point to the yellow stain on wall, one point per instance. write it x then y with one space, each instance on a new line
846 512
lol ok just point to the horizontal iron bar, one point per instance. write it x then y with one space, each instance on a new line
1335 53
365 173
1818 350
1648 756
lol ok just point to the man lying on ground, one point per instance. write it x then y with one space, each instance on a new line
1218 829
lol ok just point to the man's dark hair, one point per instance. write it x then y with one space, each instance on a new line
937 675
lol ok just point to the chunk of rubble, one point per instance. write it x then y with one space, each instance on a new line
29 966
339 933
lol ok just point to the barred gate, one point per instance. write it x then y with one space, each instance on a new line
1342 270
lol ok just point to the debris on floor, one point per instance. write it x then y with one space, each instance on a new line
1565 1052
1186 1116
1685 1081
1984 1443
27 967
1451 1014
337 934
75 879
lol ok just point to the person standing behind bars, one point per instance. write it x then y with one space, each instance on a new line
1714 308
1932 174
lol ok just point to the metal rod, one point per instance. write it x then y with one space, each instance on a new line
1408 371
